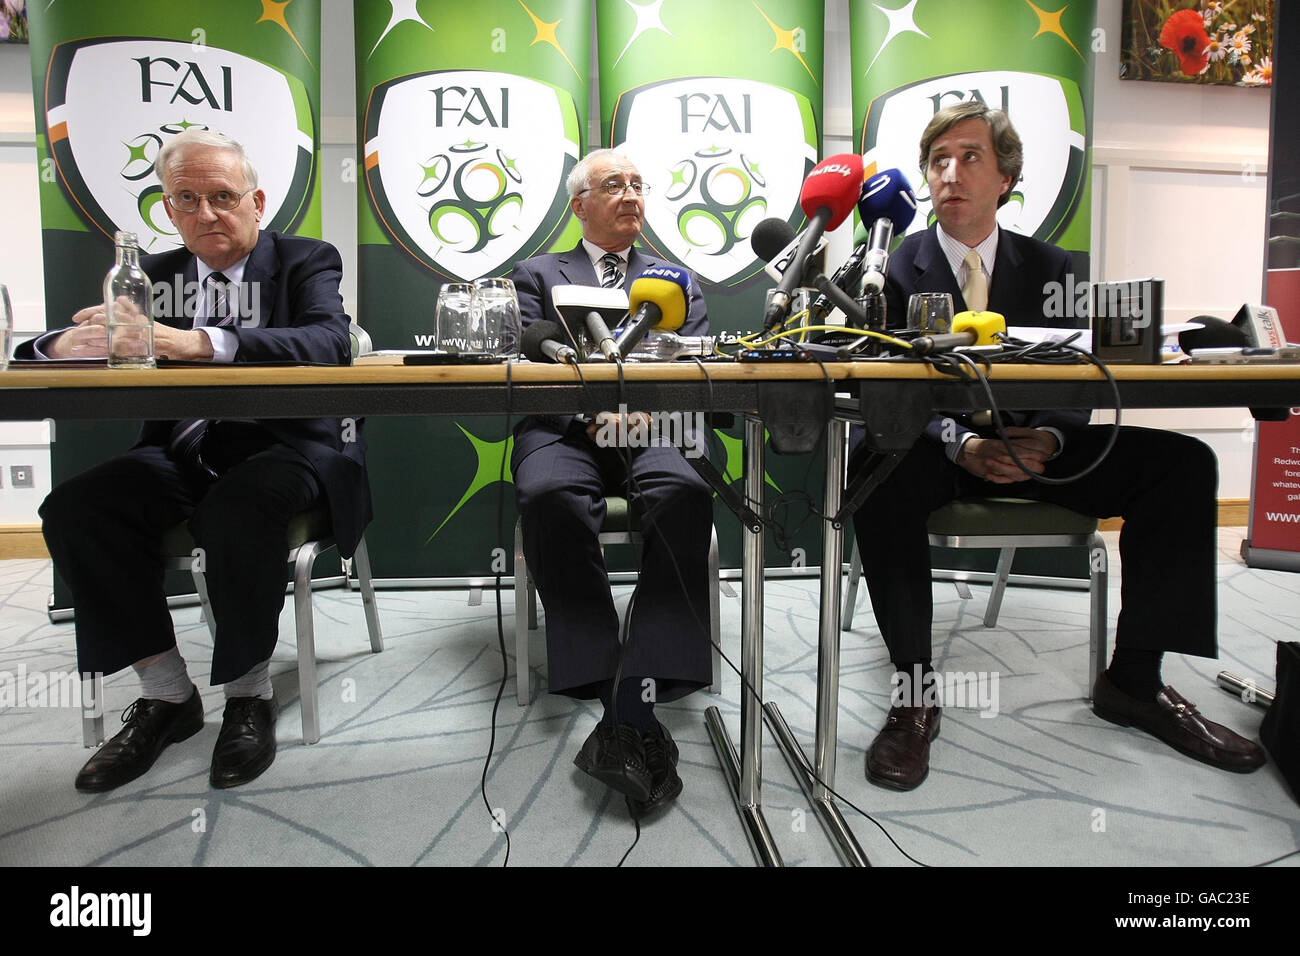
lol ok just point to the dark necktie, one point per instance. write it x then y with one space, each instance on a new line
612 276
185 445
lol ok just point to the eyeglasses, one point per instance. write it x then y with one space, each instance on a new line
616 188
223 199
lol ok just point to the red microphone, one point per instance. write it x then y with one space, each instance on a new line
828 196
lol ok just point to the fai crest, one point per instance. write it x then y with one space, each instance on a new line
111 103
466 168
721 155
1048 114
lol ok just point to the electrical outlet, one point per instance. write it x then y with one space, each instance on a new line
20 476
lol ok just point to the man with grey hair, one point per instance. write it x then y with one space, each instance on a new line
268 298
562 477
1161 483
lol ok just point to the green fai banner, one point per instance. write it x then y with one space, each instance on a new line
720 107
470 118
114 81
912 58
1035 63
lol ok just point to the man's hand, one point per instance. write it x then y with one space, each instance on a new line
181 345
631 421
987 458
88 338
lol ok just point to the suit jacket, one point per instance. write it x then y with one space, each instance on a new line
534 279
301 319
1022 267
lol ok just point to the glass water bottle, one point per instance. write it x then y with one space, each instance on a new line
128 308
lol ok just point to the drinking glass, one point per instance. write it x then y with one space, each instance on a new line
498 304
6 327
930 312
454 318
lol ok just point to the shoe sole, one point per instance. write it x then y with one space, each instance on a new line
182 733
1112 717
614 779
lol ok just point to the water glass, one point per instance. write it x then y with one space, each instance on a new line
930 312
6 327
454 320
498 304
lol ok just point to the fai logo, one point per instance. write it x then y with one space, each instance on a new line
112 103
1047 112
466 168
721 156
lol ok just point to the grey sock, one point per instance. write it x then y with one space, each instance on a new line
166 679
256 683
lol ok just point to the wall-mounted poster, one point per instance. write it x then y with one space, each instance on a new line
1226 42
13 21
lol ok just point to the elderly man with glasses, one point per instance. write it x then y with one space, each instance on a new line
266 297
562 475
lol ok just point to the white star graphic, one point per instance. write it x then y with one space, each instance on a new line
402 10
647 18
900 21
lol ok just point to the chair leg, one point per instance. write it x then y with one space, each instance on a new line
963 590
201 586
851 591
92 709
1005 558
715 613
362 561
1098 574
306 641
524 597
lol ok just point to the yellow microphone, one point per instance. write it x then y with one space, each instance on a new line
968 328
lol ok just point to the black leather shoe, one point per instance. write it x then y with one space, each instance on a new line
899 757
150 726
246 744
1176 721
618 761
665 784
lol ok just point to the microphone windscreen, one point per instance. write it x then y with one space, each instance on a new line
888 194
666 287
1216 334
835 184
536 334
985 325
769 237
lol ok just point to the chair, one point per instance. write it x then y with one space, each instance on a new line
1009 524
308 535
620 526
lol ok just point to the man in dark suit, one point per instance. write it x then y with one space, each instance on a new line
562 474
266 298
1163 484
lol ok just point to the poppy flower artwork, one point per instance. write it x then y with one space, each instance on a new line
1227 42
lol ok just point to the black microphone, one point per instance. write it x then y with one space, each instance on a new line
591 308
544 342
844 275
769 237
1214 333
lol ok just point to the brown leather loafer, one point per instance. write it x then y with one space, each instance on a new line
899 757
1176 721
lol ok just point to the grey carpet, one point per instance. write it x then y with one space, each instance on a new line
394 779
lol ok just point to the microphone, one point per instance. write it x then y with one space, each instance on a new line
844 275
889 204
769 237
659 299
543 342
968 328
591 308
1214 333
827 198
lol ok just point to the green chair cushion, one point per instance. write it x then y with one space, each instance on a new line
976 516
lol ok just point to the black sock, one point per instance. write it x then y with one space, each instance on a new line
632 708
1136 672
909 683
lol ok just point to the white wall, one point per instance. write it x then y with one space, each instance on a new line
1178 192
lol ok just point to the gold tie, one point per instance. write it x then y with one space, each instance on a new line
976 289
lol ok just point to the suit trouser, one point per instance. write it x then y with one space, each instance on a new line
561 489
104 530
1161 483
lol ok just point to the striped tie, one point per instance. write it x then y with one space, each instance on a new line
219 311
613 274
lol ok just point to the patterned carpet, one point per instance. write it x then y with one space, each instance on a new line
395 777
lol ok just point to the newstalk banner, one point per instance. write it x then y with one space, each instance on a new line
720 107
114 81
470 117
1273 539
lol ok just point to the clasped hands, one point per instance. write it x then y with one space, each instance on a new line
88 338
988 458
